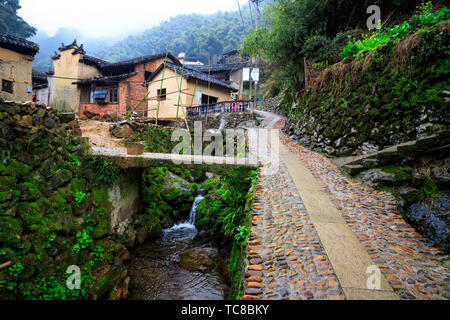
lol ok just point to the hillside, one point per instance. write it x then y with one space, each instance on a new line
201 36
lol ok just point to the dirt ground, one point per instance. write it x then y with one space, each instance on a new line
98 134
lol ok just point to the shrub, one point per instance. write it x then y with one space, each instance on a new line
423 18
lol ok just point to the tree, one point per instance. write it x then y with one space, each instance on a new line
11 23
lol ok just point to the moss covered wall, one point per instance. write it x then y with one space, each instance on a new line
394 94
55 210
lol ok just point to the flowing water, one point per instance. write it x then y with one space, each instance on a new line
156 274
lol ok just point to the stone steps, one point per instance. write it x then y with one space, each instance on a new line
356 164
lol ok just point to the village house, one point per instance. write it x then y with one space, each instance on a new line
189 60
42 87
16 59
230 73
196 88
93 87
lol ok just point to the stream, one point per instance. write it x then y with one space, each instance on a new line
156 274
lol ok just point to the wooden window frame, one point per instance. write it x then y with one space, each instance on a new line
114 95
162 94
4 86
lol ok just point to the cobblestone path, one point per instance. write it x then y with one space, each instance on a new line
286 257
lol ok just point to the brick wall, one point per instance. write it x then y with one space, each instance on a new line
132 89
131 92
100 109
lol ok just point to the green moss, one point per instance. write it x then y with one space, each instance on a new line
7 183
10 230
29 191
17 169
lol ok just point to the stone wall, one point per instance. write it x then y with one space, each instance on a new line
60 207
394 94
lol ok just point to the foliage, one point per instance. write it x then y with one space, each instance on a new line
423 18
11 23
105 171
79 197
292 30
155 140
15 270
85 236
76 161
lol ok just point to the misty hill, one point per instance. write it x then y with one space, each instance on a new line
201 36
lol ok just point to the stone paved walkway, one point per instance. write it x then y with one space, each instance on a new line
287 259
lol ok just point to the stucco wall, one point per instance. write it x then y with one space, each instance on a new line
17 68
66 95
41 96
168 107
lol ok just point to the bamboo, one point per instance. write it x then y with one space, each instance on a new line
146 94
160 89
179 88
173 92
137 106
209 88
5 265
186 74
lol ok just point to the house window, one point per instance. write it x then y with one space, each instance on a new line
7 86
162 94
113 95
209 99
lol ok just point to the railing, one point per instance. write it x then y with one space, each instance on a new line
221 107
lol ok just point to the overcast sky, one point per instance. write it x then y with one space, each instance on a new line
103 18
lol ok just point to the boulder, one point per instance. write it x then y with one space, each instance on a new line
174 181
409 194
199 259
369 148
67 117
377 177
49 123
434 223
121 130
90 114
441 174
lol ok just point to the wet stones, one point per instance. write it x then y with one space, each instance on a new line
199 259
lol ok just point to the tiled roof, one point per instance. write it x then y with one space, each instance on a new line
219 67
190 73
94 61
18 45
105 80
141 60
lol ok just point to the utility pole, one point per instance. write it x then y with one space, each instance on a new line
256 2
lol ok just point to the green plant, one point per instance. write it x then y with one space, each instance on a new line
241 233
369 42
76 161
97 252
105 171
79 197
84 236
49 241
15 269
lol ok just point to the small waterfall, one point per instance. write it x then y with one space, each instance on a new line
190 224
193 212
223 122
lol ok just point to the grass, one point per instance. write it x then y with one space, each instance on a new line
423 18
